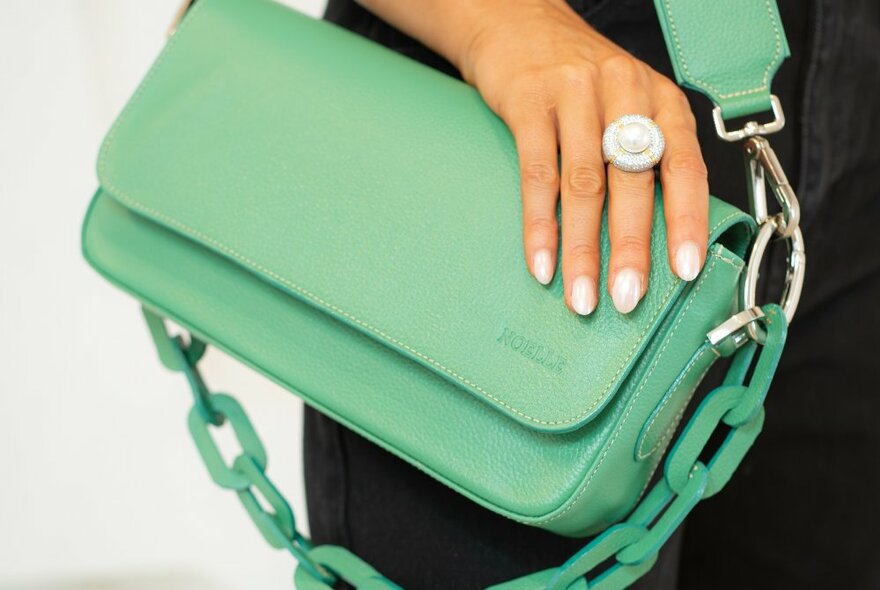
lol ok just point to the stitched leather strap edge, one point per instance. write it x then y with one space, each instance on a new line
743 97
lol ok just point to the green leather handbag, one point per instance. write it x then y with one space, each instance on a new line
310 203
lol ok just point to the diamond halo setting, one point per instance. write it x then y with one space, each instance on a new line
633 143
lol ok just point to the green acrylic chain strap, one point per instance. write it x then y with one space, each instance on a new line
631 547
247 473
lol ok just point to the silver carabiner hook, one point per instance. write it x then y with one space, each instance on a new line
760 158
763 167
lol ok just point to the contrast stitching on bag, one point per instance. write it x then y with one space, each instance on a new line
669 432
283 382
120 194
632 403
684 375
734 262
384 335
706 85
671 429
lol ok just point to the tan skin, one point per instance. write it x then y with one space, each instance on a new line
558 83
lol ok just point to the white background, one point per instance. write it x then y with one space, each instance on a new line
100 486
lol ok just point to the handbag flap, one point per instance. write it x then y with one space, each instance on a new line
378 190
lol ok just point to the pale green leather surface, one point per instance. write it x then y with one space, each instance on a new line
250 192
518 471
727 49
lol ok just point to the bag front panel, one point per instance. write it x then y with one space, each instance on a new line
559 481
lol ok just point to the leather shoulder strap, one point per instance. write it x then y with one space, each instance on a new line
727 49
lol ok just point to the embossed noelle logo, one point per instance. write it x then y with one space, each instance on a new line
532 350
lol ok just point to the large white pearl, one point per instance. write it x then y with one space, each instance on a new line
634 137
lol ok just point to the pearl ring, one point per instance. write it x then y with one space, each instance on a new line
633 143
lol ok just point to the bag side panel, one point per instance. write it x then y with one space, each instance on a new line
673 366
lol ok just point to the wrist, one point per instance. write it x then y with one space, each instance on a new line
469 28
491 24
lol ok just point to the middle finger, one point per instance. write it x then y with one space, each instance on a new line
583 196
630 206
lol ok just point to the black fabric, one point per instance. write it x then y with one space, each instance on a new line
802 510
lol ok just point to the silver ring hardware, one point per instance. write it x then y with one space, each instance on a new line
762 167
794 276
761 163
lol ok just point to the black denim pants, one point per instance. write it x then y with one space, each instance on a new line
803 511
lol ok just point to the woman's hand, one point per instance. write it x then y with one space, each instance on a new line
557 84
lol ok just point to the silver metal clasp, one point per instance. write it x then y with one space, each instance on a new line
730 335
762 168
751 128
760 159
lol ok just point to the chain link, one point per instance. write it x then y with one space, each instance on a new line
624 552
247 474
635 544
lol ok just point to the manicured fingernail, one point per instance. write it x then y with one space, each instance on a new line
627 290
583 295
542 266
687 260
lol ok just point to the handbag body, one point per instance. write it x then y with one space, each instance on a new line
344 221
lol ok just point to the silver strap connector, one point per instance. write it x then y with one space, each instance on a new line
733 328
762 168
763 165
751 128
